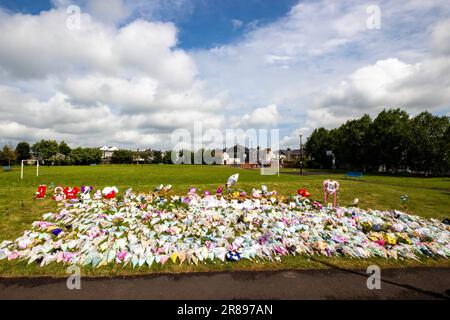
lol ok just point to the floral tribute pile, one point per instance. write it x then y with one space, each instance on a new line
156 227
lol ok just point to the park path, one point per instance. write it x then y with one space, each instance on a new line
410 283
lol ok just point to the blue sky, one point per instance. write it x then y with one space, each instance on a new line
205 24
133 71
210 24
26 6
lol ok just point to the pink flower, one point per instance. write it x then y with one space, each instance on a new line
192 190
317 205
67 256
163 259
280 250
13 255
121 256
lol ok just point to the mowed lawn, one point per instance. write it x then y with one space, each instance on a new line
428 197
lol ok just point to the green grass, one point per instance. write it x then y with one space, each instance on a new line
428 197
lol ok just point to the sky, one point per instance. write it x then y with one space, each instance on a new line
131 73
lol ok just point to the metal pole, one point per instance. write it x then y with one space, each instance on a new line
37 169
21 170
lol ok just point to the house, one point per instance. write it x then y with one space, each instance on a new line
242 156
236 155
108 151
291 155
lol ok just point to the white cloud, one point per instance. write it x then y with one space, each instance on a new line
441 37
321 65
123 80
103 84
259 118
110 11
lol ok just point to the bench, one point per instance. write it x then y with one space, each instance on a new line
6 168
354 174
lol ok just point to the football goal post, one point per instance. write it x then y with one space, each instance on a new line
29 161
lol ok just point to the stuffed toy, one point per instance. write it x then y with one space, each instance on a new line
58 194
97 195
85 192
71 193
40 194
256 194
110 192
233 256
303 193
232 180
330 187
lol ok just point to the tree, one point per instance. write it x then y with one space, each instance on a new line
350 143
446 154
122 156
7 156
23 151
157 156
167 157
85 156
316 147
392 139
64 148
45 149
389 139
428 147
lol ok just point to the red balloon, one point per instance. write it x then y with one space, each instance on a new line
303 192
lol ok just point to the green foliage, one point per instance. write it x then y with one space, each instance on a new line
317 145
429 143
157 157
45 149
167 159
23 151
351 143
7 156
389 139
393 139
122 157
64 148
85 156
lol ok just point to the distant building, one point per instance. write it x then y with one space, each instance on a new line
108 151
291 155
236 155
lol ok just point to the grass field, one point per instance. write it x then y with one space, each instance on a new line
428 197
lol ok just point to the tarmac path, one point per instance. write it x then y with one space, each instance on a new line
333 283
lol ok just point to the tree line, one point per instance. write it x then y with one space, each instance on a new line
53 153
392 142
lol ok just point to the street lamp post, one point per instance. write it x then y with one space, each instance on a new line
301 154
